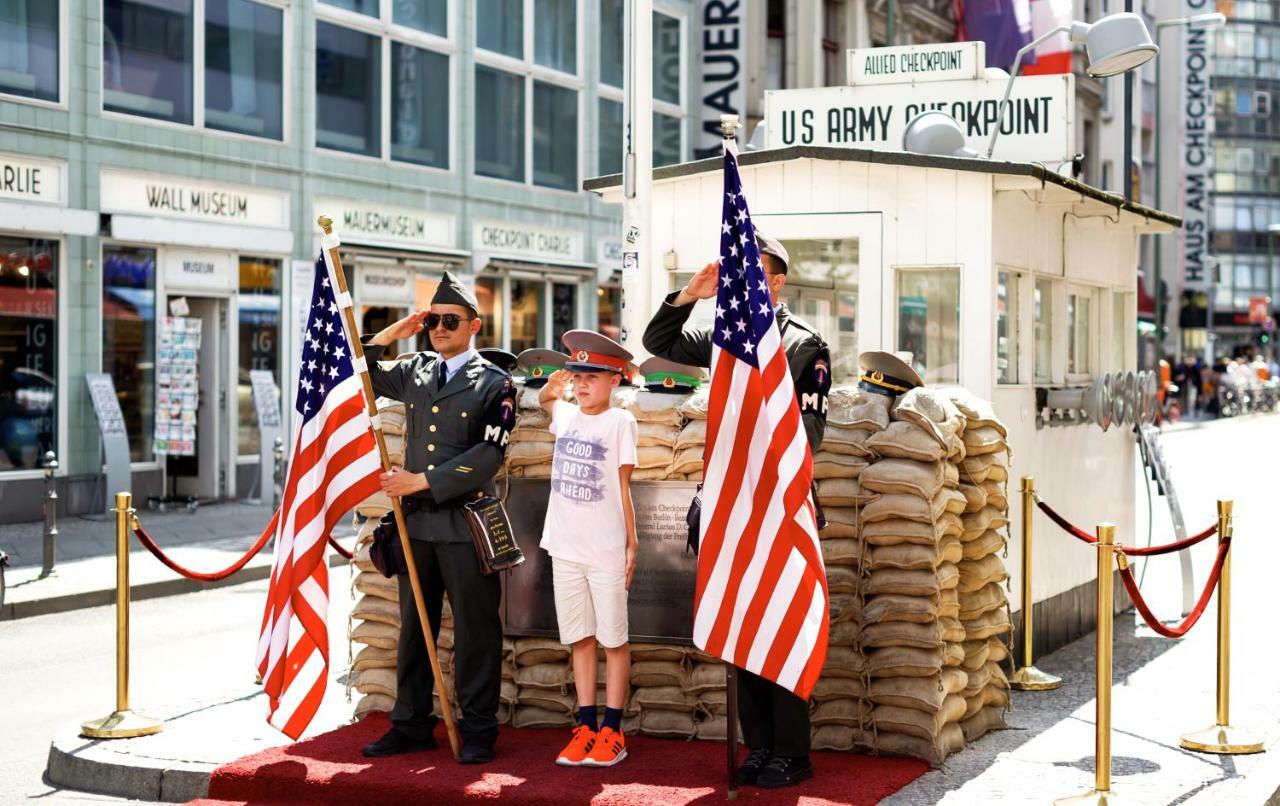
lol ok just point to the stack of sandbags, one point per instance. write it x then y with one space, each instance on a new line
662 701
911 635
853 417
691 445
658 422
983 605
542 676
532 445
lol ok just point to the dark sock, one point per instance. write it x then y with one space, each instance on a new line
587 716
612 719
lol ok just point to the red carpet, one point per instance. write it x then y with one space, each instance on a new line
657 772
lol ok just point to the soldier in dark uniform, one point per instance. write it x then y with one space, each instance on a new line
775 722
459 412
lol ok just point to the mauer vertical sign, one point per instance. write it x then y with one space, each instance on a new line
720 61
1197 123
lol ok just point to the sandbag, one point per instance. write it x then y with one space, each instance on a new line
904 476
952 629
656 434
999 650
931 411
896 607
982 723
849 712
547 699
950 549
694 434
953 654
375 608
904 662
837 529
976 654
988 543
995 622
843 492
551 676
921 724
687 460
659 673
828 465
840 551
892 531
977 411
987 696
670 698
976 523
974 603
834 688
651 407
677 724
904 556
902 633
373 704
975 496
948 741
904 507
376 584
520 454
949 604
948 576
715 729
844 661
534 651
907 583
372 657
714 703
706 677
919 693
641 652
834 737
375 506
904 440
845 440
379 680
975 574
982 440
854 408
694 406
376 633
842 607
527 716
842 579
997 494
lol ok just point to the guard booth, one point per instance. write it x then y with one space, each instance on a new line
1002 277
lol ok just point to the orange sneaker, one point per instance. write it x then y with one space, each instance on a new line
575 752
609 749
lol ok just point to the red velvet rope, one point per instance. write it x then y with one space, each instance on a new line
1128 551
1135 595
346 555
150 545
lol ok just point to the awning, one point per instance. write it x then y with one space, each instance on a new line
47 218
530 264
201 234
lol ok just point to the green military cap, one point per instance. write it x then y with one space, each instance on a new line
504 360
661 375
887 374
451 291
538 363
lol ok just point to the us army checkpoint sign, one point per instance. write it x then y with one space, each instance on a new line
1039 125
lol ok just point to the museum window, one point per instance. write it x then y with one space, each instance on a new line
28 351
526 317
668 89
489 296
929 322
129 338
1042 317
528 92
30 61
384 79
609 311
149 68
1008 332
259 341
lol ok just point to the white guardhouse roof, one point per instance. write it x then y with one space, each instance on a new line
1010 175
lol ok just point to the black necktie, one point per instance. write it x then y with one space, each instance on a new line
440 375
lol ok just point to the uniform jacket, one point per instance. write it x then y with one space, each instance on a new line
456 435
807 356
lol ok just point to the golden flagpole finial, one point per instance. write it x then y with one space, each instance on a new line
326 224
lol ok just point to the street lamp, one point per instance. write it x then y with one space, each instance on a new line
1197 22
1114 44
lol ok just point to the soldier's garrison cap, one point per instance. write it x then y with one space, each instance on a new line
887 374
661 375
591 352
452 292
503 359
538 363
771 246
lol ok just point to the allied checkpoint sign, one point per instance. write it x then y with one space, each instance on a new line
1039 124
949 61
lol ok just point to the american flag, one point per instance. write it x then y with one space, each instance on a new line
761 600
335 466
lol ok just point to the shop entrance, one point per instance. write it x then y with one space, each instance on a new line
205 472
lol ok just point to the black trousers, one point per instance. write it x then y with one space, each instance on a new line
772 717
477 642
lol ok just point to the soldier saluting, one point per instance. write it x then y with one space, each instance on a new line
459 412
775 722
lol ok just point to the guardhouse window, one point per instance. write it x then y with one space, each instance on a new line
1043 305
929 322
1079 321
1008 333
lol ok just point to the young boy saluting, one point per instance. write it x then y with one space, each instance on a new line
590 533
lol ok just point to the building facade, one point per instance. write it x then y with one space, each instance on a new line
161 156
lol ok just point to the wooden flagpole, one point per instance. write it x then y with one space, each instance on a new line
330 245
731 726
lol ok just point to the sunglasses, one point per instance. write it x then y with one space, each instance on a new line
450 320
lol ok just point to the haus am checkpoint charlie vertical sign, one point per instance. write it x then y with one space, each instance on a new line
893 85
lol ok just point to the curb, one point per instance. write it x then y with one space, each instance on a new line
147 590
85 765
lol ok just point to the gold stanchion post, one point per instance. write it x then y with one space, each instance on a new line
1223 737
1029 678
1101 793
122 723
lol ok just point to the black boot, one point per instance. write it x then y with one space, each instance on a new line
752 767
783 771
396 741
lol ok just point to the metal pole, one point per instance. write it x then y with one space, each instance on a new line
640 272
1029 678
122 723
1156 291
1222 738
278 471
1101 793
50 514
1128 124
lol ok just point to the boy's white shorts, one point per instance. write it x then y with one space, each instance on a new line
589 602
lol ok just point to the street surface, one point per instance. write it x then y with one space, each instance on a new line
59 670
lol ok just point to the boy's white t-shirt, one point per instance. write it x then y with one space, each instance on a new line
585 522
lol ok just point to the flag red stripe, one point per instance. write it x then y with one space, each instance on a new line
785 637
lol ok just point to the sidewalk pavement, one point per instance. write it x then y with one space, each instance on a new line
84 575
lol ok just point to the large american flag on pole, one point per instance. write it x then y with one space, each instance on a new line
335 466
761 600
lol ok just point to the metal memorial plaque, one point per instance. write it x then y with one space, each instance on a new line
660 602
115 438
